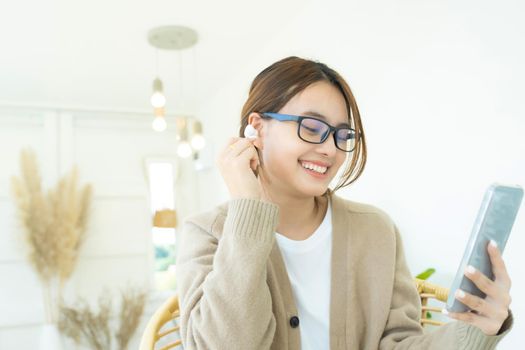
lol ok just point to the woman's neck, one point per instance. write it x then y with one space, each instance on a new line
299 217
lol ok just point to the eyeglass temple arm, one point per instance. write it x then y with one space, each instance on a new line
281 117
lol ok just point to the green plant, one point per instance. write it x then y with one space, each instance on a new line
426 274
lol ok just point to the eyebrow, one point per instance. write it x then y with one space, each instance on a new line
320 116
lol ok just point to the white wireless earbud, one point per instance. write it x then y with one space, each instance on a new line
250 132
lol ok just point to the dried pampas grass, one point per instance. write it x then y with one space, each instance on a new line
69 215
131 309
86 327
54 224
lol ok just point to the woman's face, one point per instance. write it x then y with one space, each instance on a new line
285 157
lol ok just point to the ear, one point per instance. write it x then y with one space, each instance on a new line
258 123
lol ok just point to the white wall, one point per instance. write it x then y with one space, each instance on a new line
440 88
109 149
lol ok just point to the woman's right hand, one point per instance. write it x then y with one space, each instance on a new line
237 163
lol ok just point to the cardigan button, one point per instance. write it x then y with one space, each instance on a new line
294 321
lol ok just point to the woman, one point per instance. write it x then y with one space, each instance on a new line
287 264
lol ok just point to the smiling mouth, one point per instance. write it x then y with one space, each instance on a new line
313 167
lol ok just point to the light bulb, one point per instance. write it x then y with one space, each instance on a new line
198 141
184 149
158 100
159 124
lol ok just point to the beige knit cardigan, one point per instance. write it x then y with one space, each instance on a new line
235 293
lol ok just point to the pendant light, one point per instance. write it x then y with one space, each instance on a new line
175 38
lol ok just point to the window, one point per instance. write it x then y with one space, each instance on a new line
161 178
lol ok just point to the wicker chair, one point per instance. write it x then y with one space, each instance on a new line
428 291
163 322
162 329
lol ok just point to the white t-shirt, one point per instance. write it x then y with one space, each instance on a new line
308 263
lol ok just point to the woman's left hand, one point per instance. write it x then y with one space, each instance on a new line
488 314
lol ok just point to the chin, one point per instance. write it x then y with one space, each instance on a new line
314 191
314 188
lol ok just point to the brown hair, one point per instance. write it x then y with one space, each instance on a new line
280 82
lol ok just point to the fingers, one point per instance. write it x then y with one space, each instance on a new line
237 163
237 145
238 153
249 155
494 290
225 149
498 265
481 281
489 313
476 303
234 146
485 315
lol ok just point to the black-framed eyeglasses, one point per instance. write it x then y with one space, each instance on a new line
313 130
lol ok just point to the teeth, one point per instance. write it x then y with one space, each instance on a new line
316 168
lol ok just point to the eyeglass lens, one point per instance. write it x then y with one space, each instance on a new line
315 131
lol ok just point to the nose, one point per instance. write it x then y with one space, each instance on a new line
328 146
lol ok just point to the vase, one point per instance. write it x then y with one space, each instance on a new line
50 338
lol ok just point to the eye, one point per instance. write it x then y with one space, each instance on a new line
312 130
345 134
313 126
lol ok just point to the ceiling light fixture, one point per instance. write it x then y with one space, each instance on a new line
173 38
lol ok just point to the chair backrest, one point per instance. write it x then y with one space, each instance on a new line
428 291
162 329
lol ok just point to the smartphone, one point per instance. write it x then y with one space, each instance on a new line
494 221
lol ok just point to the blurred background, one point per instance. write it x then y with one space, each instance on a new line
439 85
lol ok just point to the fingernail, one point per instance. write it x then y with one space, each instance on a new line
493 243
460 293
471 270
